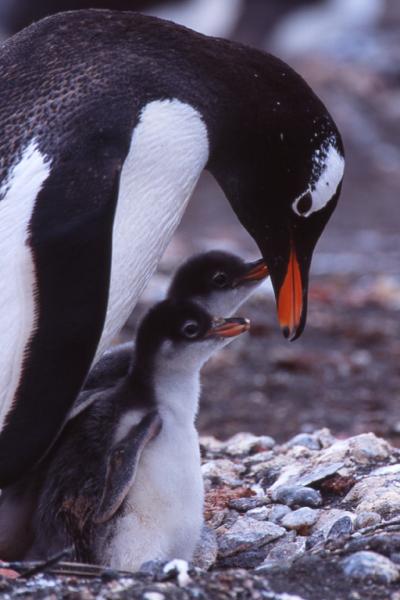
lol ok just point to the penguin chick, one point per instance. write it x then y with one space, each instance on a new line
123 484
219 281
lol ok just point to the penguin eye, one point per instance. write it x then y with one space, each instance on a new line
220 279
190 329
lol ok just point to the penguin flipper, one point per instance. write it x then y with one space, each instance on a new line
71 244
122 465
112 366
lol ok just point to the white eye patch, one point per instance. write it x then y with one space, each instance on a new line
329 165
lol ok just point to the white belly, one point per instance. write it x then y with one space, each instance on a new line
169 150
164 513
18 311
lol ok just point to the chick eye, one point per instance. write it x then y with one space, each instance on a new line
190 329
220 279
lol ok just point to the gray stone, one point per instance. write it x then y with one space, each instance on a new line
245 504
368 565
341 527
260 514
367 519
300 519
207 549
223 470
277 512
246 443
304 439
284 551
328 518
315 539
319 474
380 494
247 534
361 449
297 496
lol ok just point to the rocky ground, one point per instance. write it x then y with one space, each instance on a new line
314 518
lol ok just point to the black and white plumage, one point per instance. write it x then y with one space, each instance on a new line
108 120
123 484
219 281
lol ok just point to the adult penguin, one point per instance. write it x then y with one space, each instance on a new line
107 121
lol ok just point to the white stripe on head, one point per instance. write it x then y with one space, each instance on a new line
328 169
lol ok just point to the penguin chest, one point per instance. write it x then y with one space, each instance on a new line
164 509
169 149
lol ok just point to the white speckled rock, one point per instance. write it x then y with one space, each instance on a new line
361 449
327 519
248 533
223 470
304 439
245 443
300 519
285 550
367 565
261 513
376 494
367 519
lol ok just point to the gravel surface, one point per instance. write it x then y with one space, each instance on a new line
268 534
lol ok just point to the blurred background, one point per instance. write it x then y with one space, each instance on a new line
344 372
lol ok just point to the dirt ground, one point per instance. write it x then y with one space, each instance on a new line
344 372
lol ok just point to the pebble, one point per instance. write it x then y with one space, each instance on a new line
341 527
367 519
366 565
361 449
284 551
207 549
319 474
246 443
223 470
297 496
277 512
260 514
304 439
300 519
245 504
248 533
376 494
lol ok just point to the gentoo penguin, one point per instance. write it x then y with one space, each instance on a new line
122 484
219 281
108 119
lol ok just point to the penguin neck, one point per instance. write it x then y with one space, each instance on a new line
172 384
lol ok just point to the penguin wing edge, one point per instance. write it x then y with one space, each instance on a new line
71 244
122 465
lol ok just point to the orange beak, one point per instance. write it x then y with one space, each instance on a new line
227 328
257 272
290 298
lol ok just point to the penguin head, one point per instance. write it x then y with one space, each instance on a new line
280 162
218 281
180 334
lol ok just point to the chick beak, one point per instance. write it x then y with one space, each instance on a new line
255 271
227 328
